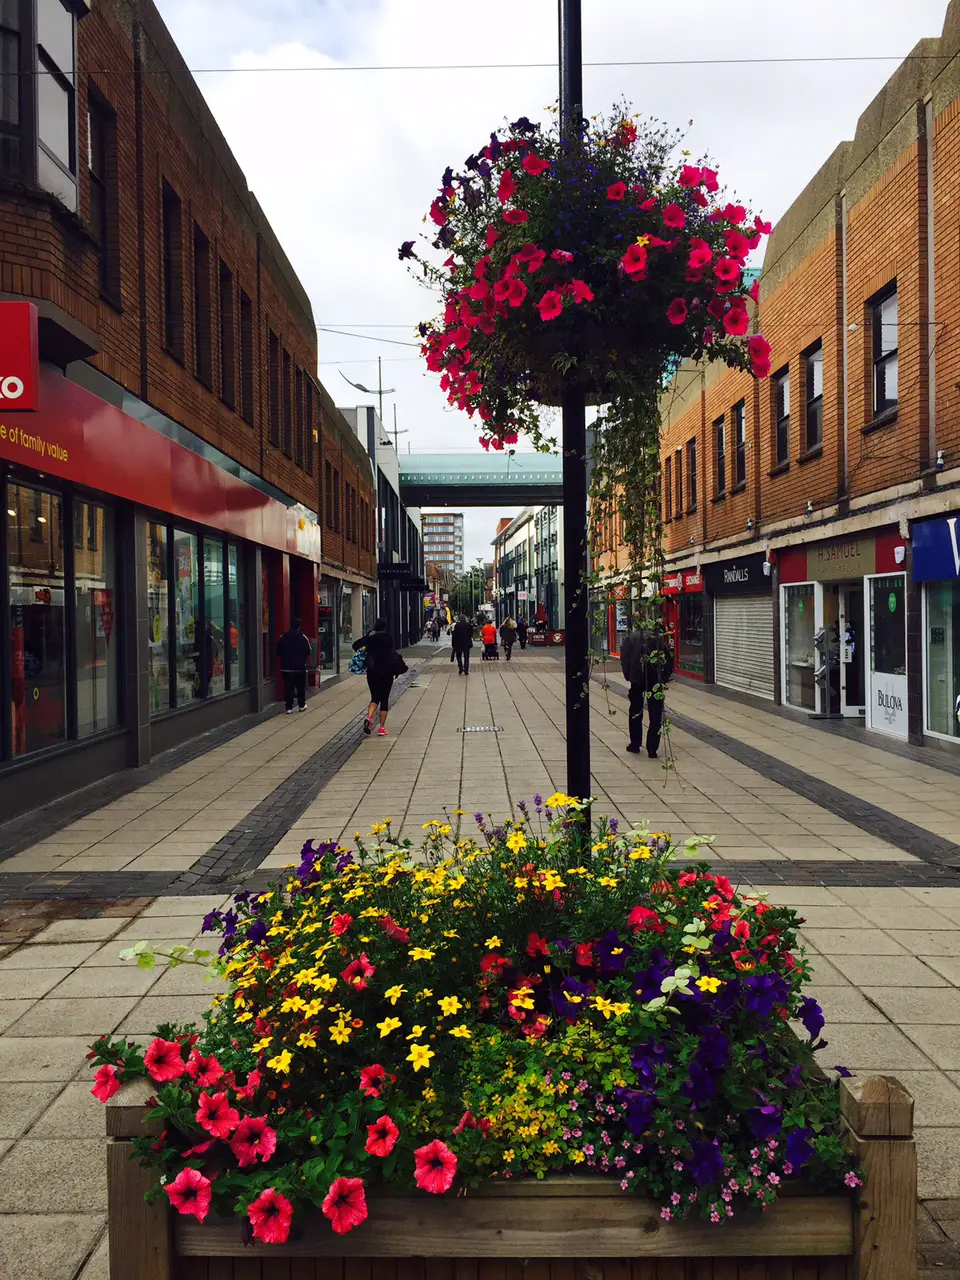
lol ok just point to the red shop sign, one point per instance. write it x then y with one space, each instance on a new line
19 358
692 580
672 584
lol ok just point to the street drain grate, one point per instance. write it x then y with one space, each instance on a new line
481 728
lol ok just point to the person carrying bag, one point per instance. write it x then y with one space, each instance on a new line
383 665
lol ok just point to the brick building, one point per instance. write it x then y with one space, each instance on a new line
183 480
810 520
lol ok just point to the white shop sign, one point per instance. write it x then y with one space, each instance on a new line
888 703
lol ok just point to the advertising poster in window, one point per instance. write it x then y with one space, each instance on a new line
887 710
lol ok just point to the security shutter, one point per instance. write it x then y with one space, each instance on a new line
744 644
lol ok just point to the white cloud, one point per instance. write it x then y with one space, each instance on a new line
345 163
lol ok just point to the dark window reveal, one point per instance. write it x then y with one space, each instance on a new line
102 166
247 349
781 401
885 352
739 415
813 365
692 474
720 438
172 250
202 329
228 338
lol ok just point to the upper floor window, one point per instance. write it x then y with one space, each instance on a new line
56 102
287 407
171 232
678 467
813 363
274 388
885 355
720 438
247 348
739 415
668 488
781 403
102 166
228 338
202 328
691 476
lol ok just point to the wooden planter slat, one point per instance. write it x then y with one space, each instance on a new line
567 1228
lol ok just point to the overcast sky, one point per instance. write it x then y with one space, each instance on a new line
345 163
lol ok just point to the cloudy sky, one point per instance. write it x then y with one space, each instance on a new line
346 162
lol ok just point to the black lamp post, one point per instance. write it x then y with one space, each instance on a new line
574 446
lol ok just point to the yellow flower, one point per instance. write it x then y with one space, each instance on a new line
311 1009
393 994
326 982
709 984
493 942
378 828
550 1148
577 1157
449 1004
599 846
461 1032
340 1033
263 1044
292 1003
450 933
608 1008
421 953
508 1155
281 1063
520 882
307 1040
635 854
643 240
353 893
608 882
559 801
245 1017
420 1056
578 871
522 998
427 825
516 841
425 994
551 881
417 1032
620 1007
388 1025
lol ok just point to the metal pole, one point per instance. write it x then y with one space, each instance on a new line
380 393
574 444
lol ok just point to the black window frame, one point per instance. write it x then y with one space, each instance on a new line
668 489
678 481
691 475
226 314
171 250
202 309
720 454
247 350
273 387
881 355
308 429
813 407
738 418
780 390
104 196
14 133
286 375
328 493
298 415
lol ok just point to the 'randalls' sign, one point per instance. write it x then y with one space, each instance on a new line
936 549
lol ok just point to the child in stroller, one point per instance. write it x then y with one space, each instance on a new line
488 634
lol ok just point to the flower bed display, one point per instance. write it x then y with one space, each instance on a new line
533 1002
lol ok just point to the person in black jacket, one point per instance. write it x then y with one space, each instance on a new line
294 652
646 662
383 665
462 643
522 632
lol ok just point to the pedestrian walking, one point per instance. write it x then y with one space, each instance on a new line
462 643
540 620
384 664
294 651
647 663
508 635
488 634
522 632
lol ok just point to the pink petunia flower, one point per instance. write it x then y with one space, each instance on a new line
581 291
534 165
253 1140
709 179
204 1071
382 1137
345 1204
372 1080
634 261
341 924
189 1193
616 191
550 305
107 1082
562 255
436 1167
674 217
215 1114
163 1061
677 311
701 255
515 216
736 321
507 188
726 270
358 972
270 1217
690 176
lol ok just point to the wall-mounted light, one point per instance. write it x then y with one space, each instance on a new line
941 460
750 525
809 510
766 568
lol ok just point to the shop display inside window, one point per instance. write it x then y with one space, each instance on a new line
943 657
800 648
158 618
214 673
96 639
186 620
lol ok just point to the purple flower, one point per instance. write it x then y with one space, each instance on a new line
763 992
614 826
257 932
705 1163
210 921
613 952
478 819
764 1122
639 1109
701 1086
714 1048
229 923
811 1015
798 1148
646 1057
405 250
538 802
794 1077
843 1073
344 861
568 999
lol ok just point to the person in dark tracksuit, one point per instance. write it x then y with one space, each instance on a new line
462 641
646 662
383 662
294 652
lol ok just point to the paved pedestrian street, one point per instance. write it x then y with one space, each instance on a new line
862 838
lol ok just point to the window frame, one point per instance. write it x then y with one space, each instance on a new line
273 387
738 417
286 443
720 455
678 481
202 309
226 315
247 351
668 488
813 406
781 421
102 122
171 250
691 476
880 362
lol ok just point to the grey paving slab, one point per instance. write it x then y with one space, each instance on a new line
22 1104
93 1016
55 1175
52 955
39 1059
97 929
29 983
75 1113
939 1005
941 1044
47 1246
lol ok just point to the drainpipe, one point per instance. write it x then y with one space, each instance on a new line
931 322
845 345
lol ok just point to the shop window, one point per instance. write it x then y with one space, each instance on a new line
95 630
247 348
690 633
287 408
668 488
738 415
800 653
56 102
942 656
678 480
202 328
813 367
158 618
228 338
781 405
102 168
214 674
884 313
274 389
172 248
888 632
38 689
691 477
237 621
720 455
187 661
11 154
268 664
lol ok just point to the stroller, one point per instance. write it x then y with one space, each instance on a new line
491 653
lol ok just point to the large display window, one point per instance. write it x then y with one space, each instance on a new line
186 585
158 618
800 658
95 634
887 704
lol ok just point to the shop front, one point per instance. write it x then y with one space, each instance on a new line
741 596
683 612
936 566
843 629
133 574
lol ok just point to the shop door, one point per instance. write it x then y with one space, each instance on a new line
744 644
852 648
887 662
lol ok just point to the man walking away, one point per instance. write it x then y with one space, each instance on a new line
462 644
293 650
646 662
522 632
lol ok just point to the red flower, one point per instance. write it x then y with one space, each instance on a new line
738 246
371 1079
493 962
436 1167
341 924
758 347
643 918
724 887
205 1071
753 293
736 321
107 1083
562 255
693 275
252 1085
727 270
479 291
189 1193
534 165
648 204
387 923
533 256
270 1216
673 216
581 291
253 1138
507 187
701 255
511 437
677 311
699 199
709 179
536 946
381 1137
358 971
345 1204
733 212
437 214
742 930
461 337
216 1115
763 227
690 176
634 261
616 191
550 305
492 236
200 1149
163 1061
515 216
584 955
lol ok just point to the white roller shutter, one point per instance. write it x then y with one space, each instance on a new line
743 644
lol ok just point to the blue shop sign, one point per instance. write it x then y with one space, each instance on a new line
936 549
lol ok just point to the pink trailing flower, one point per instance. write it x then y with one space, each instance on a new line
534 165
215 1114
164 1060
382 1137
345 1204
189 1193
690 176
616 191
358 972
515 216
436 1167
634 261
674 217
507 188
270 1217
106 1083
562 255
677 311
580 291
550 305
253 1140
205 1072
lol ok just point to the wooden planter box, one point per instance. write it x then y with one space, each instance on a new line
568 1228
